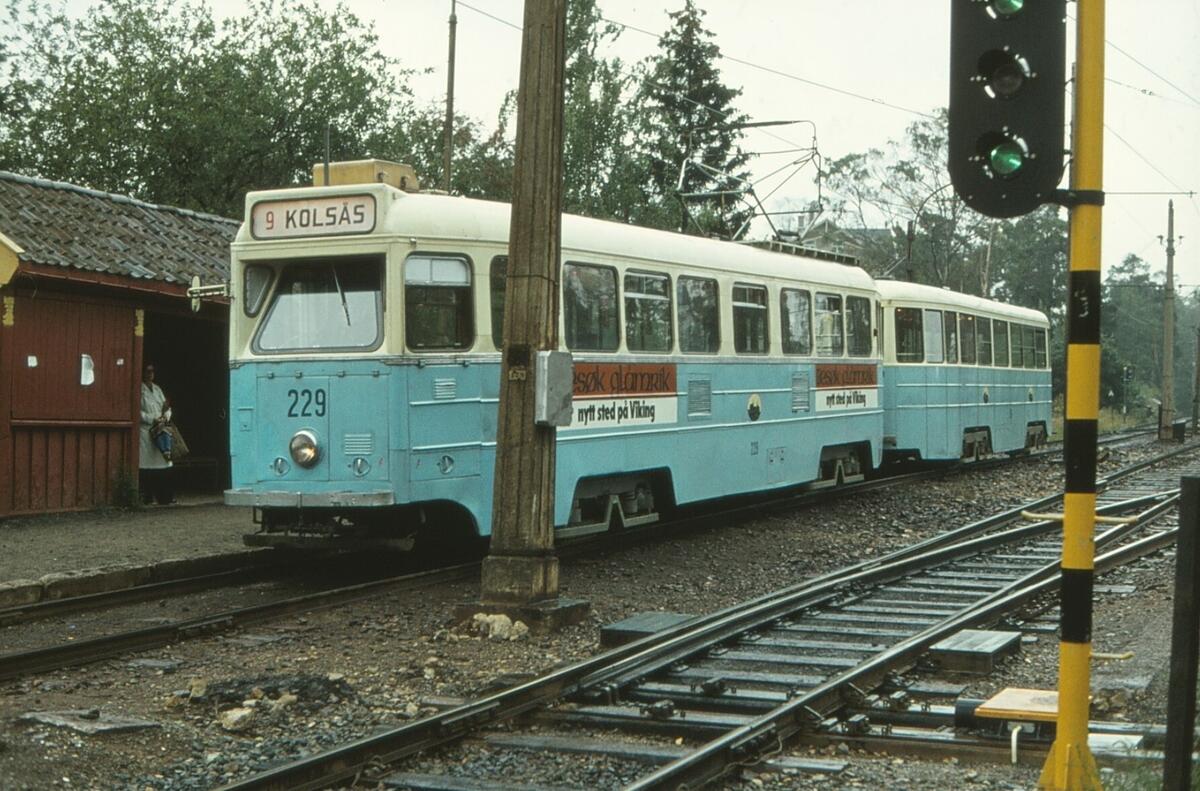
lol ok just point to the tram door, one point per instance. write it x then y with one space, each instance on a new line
937 393
444 388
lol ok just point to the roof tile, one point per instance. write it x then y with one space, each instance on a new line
65 225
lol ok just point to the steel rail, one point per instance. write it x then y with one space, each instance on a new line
84 651
608 671
51 608
105 647
806 711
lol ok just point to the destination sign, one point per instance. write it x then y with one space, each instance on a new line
330 216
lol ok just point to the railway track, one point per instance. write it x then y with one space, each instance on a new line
83 651
741 683
252 573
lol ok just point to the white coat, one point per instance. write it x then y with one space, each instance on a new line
153 401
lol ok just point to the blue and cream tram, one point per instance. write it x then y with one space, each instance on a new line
963 376
365 367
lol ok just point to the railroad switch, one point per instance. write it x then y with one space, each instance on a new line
713 686
608 693
858 725
661 710
898 700
853 695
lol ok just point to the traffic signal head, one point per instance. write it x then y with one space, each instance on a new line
1007 85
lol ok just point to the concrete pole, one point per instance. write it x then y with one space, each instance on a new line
448 148
1168 367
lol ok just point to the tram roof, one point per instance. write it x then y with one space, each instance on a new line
432 217
932 296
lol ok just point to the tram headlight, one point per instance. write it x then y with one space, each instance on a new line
304 448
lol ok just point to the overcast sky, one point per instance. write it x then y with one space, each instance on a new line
893 55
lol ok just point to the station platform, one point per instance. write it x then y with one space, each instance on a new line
33 548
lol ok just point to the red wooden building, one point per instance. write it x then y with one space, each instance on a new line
92 284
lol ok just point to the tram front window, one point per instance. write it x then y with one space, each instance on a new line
323 305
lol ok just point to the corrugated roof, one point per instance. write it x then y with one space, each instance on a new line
69 226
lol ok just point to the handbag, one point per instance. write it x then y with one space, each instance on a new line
162 439
179 448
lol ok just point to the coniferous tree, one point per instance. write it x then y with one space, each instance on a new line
693 131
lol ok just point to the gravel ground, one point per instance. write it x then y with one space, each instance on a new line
322 679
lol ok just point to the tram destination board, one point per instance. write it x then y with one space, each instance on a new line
328 216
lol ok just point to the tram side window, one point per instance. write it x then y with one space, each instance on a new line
951 336
910 347
983 335
1027 346
1000 333
255 281
1039 348
933 337
330 304
858 326
647 312
699 315
830 338
590 308
795 314
749 319
966 330
498 281
437 303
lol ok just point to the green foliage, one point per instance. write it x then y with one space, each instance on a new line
1131 324
482 161
907 181
158 102
692 131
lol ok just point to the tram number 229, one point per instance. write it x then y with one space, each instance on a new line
307 403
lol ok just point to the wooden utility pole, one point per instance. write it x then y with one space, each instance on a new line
520 576
1196 387
448 148
1167 413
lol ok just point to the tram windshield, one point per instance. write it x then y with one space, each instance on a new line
324 305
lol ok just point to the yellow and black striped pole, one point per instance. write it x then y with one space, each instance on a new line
1070 765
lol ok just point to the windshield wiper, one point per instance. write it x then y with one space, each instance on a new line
341 293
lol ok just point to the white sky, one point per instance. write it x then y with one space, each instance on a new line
892 52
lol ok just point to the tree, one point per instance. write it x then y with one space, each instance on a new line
907 181
692 130
1131 333
157 102
605 174
483 161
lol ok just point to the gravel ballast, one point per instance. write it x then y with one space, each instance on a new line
314 681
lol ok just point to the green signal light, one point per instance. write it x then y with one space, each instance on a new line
1005 8
1007 158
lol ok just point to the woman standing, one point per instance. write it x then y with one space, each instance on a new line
154 473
